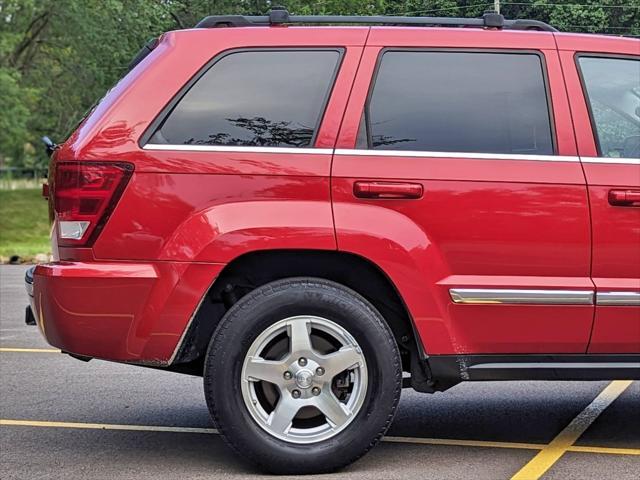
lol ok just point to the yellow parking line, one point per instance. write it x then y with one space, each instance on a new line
30 350
463 443
551 453
607 450
389 439
105 426
514 445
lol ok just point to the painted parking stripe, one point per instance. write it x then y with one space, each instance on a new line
463 443
552 452
388 439
513 445
606 450
29 350
105 426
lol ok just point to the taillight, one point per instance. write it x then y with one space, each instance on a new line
85 194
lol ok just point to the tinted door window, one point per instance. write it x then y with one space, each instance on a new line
254 98
460 102
613 93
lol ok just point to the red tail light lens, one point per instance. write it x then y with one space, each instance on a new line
85 194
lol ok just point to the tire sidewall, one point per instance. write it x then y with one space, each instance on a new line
255 313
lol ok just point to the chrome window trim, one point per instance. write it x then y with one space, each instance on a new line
462 155
388 153
521 296
237 149
618 299
613 160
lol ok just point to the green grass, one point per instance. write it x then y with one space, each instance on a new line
24 224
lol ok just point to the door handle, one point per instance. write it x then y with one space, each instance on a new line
624 198
387 190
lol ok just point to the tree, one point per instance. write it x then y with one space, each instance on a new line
15 103
58 56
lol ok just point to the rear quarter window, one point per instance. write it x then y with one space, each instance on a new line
254 98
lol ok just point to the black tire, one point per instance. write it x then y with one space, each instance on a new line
254 313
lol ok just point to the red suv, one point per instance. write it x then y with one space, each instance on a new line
313 217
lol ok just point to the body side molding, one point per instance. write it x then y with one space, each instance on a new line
521 296
618 299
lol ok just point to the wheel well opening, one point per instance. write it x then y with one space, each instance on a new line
253 270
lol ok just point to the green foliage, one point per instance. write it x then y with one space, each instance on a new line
15 104
24 224
58 56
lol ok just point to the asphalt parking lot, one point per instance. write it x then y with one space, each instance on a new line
62 418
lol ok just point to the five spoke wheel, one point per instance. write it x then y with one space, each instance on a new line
304 379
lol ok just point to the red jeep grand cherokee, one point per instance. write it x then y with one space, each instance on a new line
313 217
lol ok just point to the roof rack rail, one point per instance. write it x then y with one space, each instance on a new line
280 16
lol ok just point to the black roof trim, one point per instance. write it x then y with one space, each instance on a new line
280 16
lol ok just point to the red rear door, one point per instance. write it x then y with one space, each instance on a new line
456 172
607 120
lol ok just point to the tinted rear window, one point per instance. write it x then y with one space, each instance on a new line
254 98
460 102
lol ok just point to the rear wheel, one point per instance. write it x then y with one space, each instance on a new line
302 376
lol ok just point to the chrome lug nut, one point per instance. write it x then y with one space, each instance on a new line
287 375
302 361
319 371
315 391
295 394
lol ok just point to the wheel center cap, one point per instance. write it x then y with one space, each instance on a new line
304 378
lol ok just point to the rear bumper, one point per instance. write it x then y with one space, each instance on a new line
130 312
